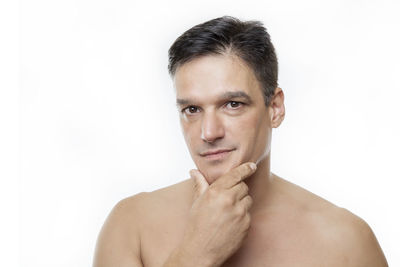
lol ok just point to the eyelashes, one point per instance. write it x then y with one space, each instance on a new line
189 109
235 104
231 105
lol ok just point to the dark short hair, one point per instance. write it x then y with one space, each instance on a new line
249 40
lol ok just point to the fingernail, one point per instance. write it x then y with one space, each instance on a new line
253 166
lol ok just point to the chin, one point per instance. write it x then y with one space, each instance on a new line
213 174
214 171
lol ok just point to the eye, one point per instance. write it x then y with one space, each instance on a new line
190 110
234 104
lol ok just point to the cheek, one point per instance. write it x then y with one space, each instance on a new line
191 134
251 134
262 139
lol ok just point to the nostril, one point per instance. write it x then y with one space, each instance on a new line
210 137
211 128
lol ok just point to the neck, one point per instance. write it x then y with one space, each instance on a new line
260 184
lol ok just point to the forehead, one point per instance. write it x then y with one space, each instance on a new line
214 75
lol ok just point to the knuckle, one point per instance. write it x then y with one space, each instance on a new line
227 200
243 171
245 188
247 201
241 211
246 169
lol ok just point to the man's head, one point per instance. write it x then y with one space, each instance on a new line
225 75
227 35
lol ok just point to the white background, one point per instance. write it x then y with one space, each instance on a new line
96 120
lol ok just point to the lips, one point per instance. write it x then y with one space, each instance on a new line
215 152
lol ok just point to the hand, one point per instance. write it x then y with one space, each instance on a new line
219 218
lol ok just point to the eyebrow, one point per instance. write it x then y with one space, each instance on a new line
224 96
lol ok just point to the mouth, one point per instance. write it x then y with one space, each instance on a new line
216 154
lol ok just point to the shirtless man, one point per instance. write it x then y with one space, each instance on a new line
233 211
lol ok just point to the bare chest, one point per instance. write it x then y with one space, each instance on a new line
159 239
272 243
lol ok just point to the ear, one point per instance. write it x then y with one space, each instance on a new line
277 108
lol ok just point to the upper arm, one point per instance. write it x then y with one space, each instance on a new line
370 250
118 243
362 245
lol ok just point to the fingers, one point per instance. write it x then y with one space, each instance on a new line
240 190
200 183
227 181
236 175
247 202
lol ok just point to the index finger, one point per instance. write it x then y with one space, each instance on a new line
236 175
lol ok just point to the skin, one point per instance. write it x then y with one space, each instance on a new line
282 225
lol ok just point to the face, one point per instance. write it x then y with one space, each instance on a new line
222 112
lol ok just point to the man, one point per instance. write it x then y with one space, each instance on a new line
233 211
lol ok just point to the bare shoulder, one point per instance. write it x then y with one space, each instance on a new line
118 243
174 198
357 239
339 229
136 209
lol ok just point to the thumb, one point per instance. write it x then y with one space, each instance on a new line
200 183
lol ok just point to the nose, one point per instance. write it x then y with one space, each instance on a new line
212 128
